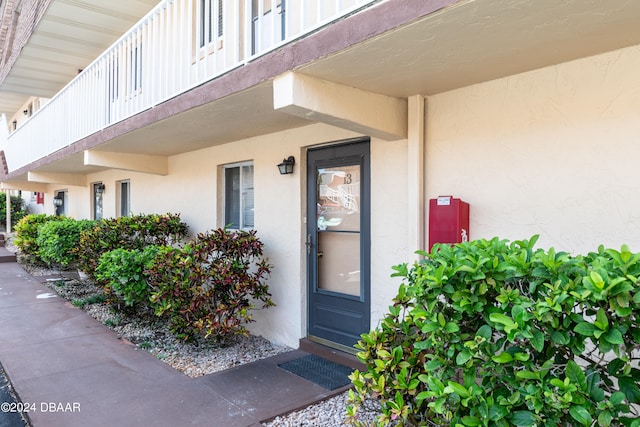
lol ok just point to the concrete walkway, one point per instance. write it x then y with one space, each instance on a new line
70 370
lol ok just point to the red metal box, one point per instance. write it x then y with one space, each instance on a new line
448 220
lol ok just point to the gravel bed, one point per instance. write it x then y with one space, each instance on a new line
152 334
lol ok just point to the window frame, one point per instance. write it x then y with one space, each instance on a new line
241 200
210 24
62 209
120 185
97 201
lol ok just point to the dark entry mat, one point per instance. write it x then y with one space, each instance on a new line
321 371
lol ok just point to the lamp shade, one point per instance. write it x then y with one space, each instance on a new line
286 167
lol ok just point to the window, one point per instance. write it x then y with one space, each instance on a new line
268 24
210 18
124 206
60 202
238 196
98 191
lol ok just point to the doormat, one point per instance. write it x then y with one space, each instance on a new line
321 371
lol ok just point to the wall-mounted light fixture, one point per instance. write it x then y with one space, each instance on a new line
58 201
286 167
99 188
25 112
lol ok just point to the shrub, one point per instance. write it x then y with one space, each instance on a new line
26 231
133 232
209 287
488 333
124 272
57 239
18 210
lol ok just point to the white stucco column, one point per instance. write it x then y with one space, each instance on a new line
8 197
416 174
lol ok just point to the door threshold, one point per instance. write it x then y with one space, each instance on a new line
334 352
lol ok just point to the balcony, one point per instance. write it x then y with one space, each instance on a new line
191 75
178 46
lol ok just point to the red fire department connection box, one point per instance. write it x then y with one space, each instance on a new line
448 220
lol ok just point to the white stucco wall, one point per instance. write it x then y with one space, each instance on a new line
191 188
551 152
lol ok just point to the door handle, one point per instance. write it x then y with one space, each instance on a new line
308 244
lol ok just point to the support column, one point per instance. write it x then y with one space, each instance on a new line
8 196
416 174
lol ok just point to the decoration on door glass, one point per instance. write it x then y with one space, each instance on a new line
339 198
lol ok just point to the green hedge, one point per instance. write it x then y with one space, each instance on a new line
26 232
123 270
134 232
57 239
492 333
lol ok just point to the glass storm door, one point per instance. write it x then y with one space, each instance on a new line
338 243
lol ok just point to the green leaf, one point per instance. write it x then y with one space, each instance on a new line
597 280
384 354
471 421
424 395
602 321
605 418
560 337
537 341
576 375
486 332
463 357
527 375
617 398
435 385
503 357
630 422
422 345
581 415
613 336
497 412
523 418
397 354
451 327
593 386
459 389
502 319
441 320
630 389
615 365
585 328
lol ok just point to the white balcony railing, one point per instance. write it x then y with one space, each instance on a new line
179 45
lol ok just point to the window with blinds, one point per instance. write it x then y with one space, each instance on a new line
211 20
238 197
124 202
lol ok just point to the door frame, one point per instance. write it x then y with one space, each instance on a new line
348 151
